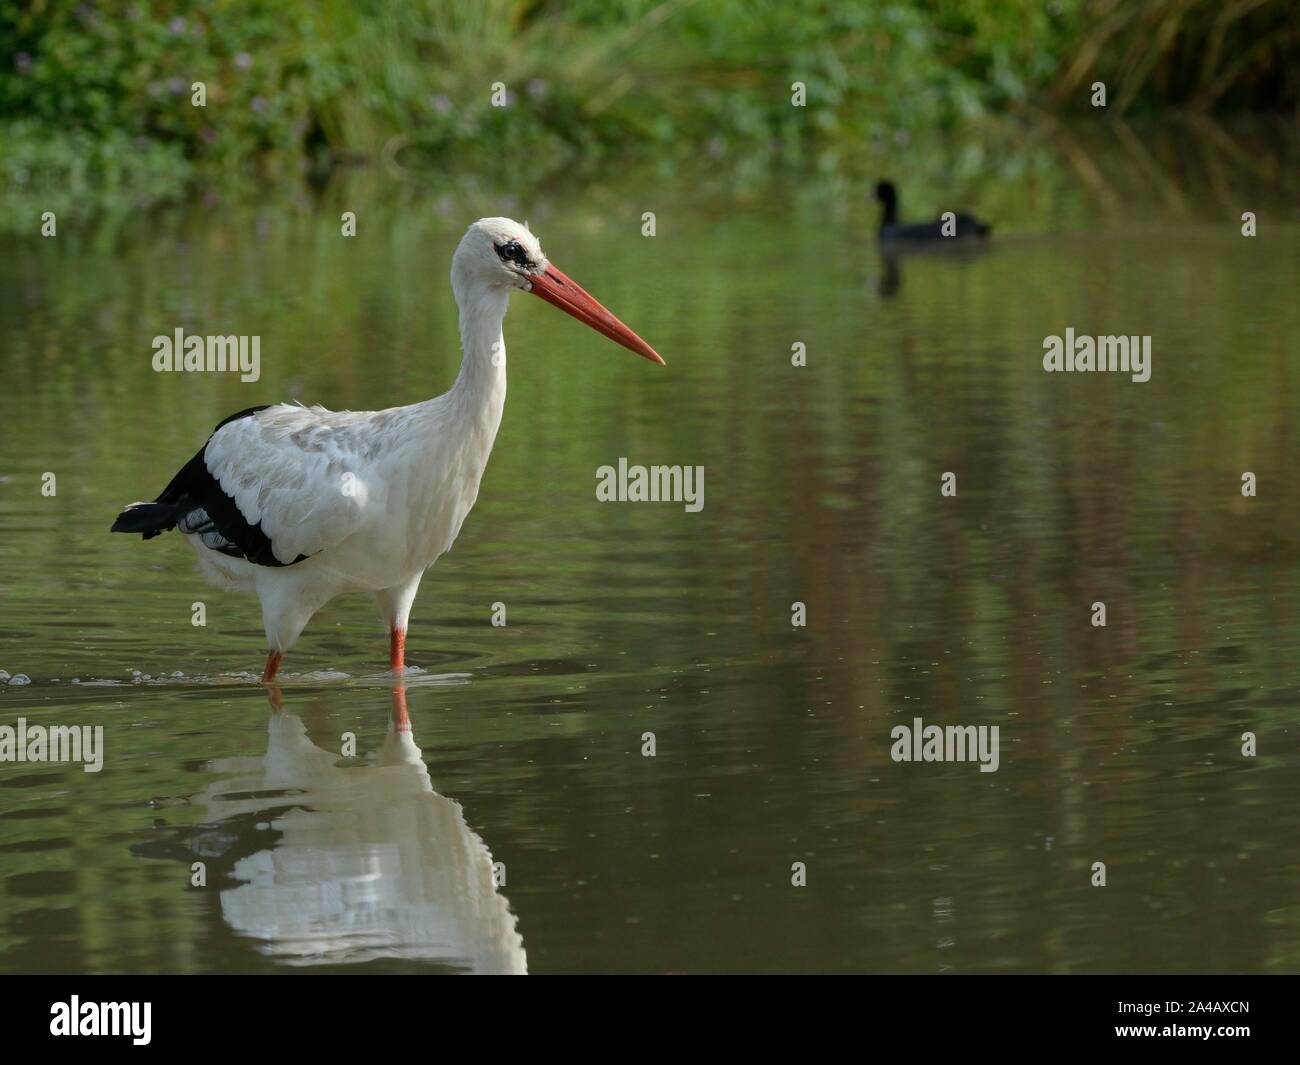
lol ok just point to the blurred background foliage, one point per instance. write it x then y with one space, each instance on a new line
95 98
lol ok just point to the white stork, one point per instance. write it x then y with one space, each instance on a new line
301 504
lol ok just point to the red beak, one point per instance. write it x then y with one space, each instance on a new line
560 290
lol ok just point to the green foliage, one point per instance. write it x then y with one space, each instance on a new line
1202 55
267 67
97 94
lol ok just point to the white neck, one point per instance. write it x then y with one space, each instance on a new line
452 434
479 393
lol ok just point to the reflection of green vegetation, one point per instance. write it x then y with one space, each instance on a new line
822 486
93 102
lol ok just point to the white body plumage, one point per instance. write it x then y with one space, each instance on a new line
372 498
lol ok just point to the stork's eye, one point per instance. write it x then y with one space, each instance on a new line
512 252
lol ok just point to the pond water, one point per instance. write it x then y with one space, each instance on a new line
498 812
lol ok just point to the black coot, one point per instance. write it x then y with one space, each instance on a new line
892 230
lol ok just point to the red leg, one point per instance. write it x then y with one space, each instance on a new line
397 650
272 667
401 718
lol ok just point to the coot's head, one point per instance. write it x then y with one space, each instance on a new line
885 192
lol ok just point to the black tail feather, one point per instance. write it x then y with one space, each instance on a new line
148 518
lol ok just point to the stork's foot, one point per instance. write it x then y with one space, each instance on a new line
272 667
397 650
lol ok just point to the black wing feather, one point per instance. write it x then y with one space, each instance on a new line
194 501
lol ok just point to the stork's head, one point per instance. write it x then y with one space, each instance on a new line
501 253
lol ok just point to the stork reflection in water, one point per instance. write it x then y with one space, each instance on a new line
366 863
